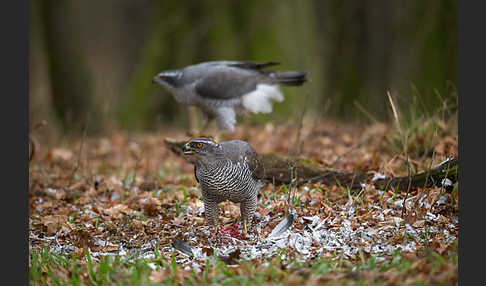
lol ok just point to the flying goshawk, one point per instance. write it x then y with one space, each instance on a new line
222 89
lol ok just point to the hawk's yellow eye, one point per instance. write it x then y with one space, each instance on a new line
199 145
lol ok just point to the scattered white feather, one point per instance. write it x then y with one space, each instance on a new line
441 200
443 162
446 182
261 99
378 176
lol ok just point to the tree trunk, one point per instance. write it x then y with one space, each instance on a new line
68 73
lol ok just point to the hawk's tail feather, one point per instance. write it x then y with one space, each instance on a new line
289 77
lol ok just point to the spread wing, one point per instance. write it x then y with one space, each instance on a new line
226 83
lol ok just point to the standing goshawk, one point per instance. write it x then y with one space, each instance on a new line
223 89
227 170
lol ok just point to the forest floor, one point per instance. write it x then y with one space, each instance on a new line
109 211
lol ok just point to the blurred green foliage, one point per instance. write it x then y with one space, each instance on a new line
94 60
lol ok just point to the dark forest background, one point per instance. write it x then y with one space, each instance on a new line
91 62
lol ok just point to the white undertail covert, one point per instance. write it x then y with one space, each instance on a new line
261 99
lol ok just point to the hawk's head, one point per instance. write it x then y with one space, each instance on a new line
169 78
202 148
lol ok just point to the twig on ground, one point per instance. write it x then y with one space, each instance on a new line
31 148
405 150
366 113
78 162
301 124
32 142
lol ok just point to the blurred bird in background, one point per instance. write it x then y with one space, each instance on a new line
223 89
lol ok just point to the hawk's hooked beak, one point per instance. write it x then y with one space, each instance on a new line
168 77
187 149
157 79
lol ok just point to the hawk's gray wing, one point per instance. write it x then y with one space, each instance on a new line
255 165
241 152
252 65
238 64
195 173
227 83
